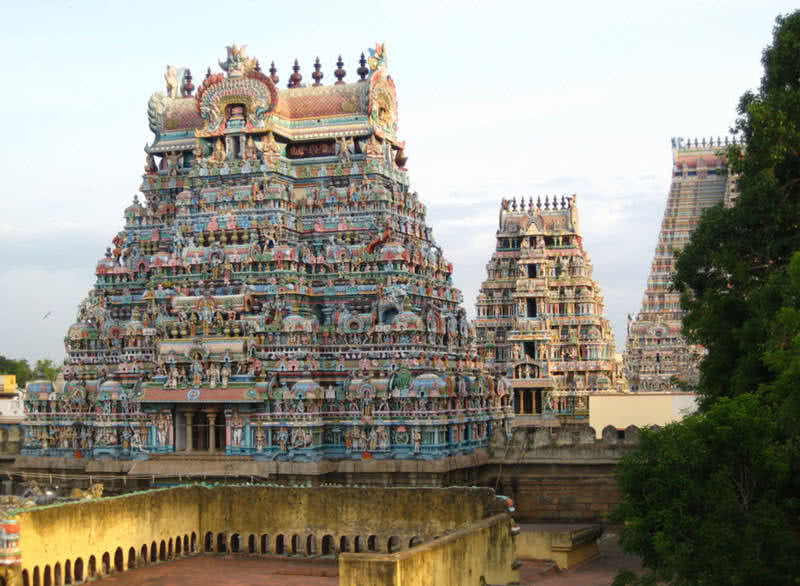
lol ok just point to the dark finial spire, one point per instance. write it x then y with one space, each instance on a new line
188 86
258 66
273 74
547 202
563 202
317 75
539 201
530 203
295 78
339 73
208 73
362 70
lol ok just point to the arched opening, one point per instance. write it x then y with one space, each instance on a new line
235 545
194 542
26 580
295 544
48 576
393 544
209 544
169 549
68 570
328 546
311 545
143 555
119 561
221 543
79 570
106 564
358 545
131 559
280 545
372 543
186 549
414 541
264 543
153 552
57 574
344 544
162 551
36 580
178 546
251 544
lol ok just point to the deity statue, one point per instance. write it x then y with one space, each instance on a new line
197 372
171 77
237 425
416 438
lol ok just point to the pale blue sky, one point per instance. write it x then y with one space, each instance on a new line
495 99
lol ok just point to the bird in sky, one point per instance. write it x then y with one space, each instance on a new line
48 313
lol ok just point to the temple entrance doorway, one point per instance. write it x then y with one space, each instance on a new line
204 430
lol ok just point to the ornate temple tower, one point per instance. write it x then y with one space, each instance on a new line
277 293
657 357
540 322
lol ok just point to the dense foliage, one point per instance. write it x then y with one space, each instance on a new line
44 369
714 499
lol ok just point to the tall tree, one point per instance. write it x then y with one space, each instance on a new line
715 499
724 272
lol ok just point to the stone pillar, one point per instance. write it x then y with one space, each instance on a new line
211 431
188 415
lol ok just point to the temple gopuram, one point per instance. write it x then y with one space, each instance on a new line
540 316
275 292
657 356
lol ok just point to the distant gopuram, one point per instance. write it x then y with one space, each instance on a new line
657 357
540 316
276 294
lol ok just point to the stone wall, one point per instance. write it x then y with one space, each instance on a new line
558 474
479 554
99 537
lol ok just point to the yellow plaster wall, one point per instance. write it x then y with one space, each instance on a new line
640 409
71 531
79 530
484 550
341 510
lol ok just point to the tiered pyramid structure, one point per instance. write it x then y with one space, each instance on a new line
657 356
276 293
540 315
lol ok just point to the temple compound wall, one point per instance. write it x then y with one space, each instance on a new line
559 474
482 553
80 541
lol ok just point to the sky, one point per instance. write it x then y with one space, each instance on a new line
496 99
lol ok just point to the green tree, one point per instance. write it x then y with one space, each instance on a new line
45 369
20 368
714 499
704 499
724 272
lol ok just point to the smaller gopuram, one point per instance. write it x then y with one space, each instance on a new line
540 323
657 356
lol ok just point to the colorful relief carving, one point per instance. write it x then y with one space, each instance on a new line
540 315
269 297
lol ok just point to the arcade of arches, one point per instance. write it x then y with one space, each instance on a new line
152 526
